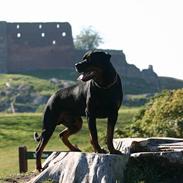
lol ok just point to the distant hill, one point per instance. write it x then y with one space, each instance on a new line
28 92
141 86
134 82
170 83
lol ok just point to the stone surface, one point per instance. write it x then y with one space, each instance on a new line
169 148
76 167
154 144
73 167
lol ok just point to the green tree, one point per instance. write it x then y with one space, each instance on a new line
88 39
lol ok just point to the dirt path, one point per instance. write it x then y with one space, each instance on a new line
20 178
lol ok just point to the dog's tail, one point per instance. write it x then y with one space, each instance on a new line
37 138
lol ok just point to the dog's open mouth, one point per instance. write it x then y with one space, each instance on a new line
85 76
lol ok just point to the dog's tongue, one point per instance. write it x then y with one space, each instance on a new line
86 76
80 77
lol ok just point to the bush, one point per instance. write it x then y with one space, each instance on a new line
163 116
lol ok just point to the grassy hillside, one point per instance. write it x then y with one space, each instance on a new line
130 85
27 93
17 130
39 81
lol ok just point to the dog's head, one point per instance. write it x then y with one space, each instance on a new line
93 64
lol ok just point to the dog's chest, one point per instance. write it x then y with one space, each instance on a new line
103 104
102 109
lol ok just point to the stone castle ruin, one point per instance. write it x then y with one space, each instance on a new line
33 46
41 46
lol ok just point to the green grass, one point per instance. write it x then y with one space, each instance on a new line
38 84
17 130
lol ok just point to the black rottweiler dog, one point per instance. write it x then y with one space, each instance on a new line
98 94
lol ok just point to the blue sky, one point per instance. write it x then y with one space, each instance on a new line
148 31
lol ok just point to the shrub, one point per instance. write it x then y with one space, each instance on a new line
163 116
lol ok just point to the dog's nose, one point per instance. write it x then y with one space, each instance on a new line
78 66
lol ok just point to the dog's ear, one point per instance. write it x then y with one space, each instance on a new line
87 55
108 56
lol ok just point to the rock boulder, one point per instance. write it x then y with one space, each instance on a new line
76 167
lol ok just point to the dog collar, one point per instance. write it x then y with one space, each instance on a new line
109 85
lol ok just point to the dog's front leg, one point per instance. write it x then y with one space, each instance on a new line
110 133
93 135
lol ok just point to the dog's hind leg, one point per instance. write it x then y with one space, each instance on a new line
44 138
72 129
47 131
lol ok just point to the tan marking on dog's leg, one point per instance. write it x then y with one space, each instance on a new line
66 133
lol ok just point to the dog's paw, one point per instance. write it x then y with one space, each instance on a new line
101 150
39 169
104 151
75 149
114 151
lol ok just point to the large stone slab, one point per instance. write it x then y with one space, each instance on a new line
153 144
170 149
76 167
155 160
